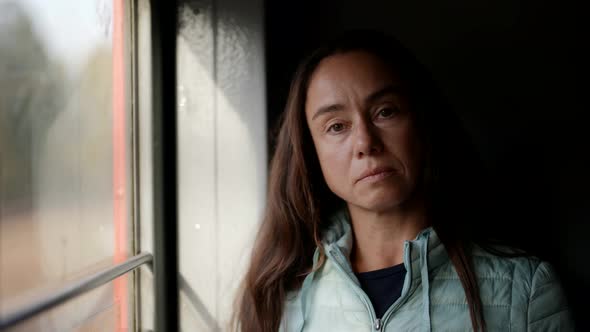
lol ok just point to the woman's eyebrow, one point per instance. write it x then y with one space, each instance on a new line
327 109
387 90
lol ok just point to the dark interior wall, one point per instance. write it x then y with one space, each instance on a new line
514 72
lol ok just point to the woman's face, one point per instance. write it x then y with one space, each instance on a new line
363 131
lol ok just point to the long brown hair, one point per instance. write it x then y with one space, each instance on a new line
299 201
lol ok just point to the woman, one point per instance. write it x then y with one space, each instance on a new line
373 189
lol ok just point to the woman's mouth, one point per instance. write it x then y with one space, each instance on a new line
376 174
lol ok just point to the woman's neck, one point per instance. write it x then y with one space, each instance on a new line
379 236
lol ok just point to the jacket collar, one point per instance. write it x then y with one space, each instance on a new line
339 234
421 255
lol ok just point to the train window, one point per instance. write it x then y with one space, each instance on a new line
77 167
65 119
221 147
91 311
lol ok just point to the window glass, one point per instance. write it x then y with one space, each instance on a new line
89 312
64 142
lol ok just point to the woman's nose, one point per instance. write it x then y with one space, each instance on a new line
367 140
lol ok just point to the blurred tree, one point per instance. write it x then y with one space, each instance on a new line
31 97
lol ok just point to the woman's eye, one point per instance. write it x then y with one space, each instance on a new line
336 127
387 112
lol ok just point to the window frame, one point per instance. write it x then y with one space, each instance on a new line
164 260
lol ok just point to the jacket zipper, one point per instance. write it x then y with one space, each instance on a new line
407 294
378 323
337 256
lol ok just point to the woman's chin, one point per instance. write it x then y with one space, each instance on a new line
380 203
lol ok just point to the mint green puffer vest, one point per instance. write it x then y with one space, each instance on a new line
518 294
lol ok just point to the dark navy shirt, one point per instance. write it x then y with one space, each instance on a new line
383 286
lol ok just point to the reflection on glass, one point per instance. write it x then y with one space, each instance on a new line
56 144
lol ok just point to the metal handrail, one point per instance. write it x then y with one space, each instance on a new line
82 285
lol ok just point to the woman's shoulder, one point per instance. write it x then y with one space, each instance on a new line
512 264
532 283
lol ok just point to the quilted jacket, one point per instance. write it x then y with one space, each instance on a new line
518 294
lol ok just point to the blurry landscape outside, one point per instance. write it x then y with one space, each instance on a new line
56 156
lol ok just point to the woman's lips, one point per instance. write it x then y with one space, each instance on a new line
376 175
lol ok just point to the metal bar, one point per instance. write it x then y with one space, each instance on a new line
166 291
50 300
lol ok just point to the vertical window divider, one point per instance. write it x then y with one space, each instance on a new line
164 32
